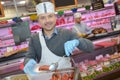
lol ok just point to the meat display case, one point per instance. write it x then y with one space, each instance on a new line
69 22
111 75
75 58
92 16
94 19
10 63
81 57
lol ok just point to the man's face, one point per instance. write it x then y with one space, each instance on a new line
78 20
47 21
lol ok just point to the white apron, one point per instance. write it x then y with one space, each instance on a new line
47 57
78 31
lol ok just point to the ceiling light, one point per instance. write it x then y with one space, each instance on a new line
22 2
2 2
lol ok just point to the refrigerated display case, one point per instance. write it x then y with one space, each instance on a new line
94 19
103 62
11 55
10 65
13 69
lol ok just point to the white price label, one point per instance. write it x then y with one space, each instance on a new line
9 49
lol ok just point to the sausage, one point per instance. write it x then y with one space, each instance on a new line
56 76
44 67
71 75
65 76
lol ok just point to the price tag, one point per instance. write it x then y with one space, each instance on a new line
9 49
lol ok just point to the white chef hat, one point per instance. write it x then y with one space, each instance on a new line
45 7
77 15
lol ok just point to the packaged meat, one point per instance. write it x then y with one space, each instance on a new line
99 30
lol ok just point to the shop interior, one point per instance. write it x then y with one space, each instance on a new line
18 21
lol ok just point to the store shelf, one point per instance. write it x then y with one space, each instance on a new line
10 66
68 24
109 75
6 38
83 9
99 18
98 22
16 72
91 56
7 45
109 34
12 57
5 25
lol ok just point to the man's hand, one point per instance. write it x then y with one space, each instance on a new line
69 46
29 67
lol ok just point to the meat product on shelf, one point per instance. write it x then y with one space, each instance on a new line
6 54
3 22
92 62
99 30
35 27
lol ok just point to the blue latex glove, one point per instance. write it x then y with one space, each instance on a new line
69 46
28 69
